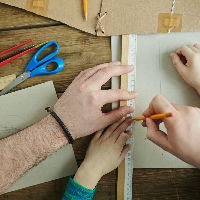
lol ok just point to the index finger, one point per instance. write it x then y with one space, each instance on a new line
185 51
103 75
113 95
90 71
161 105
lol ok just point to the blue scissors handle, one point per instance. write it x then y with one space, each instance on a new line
41 70
34 61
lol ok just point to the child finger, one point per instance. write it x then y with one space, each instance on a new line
178 64
123 138
185 51
148 111
98 135
197 46
121 128
108 132
157 121
125 150
193 48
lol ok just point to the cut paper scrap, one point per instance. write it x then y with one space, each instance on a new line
23 108
6 80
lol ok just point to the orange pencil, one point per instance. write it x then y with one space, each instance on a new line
156 116
85 10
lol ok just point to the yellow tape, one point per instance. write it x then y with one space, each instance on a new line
169 22
39 7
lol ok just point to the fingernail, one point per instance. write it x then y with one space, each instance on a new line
117 62
134 94
131 109
131 66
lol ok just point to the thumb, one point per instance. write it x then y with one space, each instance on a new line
161 105
158 137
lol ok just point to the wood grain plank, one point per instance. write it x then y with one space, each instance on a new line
149 184
166 184
15 18
78 50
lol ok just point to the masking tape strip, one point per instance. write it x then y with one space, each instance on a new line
39 7
169 22
6 80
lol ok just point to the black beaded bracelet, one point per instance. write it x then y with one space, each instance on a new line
64 128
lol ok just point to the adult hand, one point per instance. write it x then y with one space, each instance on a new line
183 130
187 62
106 151
80 105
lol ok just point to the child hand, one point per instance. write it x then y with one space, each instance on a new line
106 151
183 129
187 62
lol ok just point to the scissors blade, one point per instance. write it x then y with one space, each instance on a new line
16 82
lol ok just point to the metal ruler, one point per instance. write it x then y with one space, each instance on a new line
131 87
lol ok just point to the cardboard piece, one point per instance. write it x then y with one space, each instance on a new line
23 108
123 17
157 75
6 80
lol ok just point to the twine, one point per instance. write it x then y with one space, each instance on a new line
172 12
99 25
173 6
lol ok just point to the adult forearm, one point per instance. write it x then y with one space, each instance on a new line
24 150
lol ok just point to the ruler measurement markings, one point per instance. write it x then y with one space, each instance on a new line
131 87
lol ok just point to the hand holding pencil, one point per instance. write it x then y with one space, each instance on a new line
182 134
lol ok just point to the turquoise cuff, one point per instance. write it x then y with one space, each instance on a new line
75 191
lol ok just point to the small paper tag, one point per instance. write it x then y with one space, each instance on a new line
38 6
169 22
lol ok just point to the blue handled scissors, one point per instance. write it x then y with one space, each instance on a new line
35 67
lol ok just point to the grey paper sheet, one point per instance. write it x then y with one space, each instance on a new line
23 108
156 75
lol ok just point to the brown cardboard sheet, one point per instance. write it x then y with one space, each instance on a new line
123 16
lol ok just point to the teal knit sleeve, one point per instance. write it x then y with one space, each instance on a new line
74 191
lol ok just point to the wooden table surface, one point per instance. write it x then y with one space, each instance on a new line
81 51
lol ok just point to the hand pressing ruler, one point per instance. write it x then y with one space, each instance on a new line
125 170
